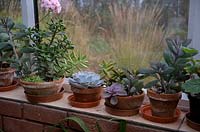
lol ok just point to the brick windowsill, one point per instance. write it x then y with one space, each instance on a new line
17 111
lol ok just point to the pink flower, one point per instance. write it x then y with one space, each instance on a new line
52 5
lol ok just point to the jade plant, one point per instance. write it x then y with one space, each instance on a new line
171 73
192 86
120 81
11 34
52 55
86 79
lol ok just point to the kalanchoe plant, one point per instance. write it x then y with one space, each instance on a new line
85 79
192 86
10 35
113 91
52 52
170 74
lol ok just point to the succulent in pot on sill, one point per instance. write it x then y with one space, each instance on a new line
86 86
125 95
164 92
52 56
10 57
192 88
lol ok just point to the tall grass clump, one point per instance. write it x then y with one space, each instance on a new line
136 38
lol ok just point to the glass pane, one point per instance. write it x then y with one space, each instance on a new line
129 32
12 9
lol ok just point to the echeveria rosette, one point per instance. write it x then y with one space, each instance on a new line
52 5
86 79
113 91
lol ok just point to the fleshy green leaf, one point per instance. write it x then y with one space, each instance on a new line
192 86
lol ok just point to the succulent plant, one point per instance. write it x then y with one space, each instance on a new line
170 74
85 79
113 91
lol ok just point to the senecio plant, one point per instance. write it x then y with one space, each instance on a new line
123 82
171 73
85 79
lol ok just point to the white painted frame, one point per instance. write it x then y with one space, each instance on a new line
28 16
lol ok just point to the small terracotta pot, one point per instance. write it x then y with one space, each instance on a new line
146 113
10 87
77 104
6 76
127 105
42 88
87 95
163 105
45 98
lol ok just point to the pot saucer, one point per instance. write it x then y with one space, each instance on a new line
146 113
191 123
119 112
10 87
77 104
44 98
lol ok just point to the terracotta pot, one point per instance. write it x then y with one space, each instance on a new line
77 104
163 105
194 108
10 87
126 106
42 88
87 95
45 98
6 76
146 113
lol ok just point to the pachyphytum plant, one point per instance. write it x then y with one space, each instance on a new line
113 91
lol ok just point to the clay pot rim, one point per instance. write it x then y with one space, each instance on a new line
87 89
61 80
10 70
175 96
157 118
133 96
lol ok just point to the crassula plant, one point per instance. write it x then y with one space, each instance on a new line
86 79
52 52
171 73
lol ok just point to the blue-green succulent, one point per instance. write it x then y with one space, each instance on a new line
85 79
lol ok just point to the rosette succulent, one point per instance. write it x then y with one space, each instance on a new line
113 91
85 79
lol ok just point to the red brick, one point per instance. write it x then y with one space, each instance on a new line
43 114
134 128
55 129
10 108
1 121
108 126
52 129
17 125
88 120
